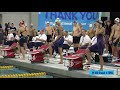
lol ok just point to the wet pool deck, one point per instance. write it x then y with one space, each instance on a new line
60 69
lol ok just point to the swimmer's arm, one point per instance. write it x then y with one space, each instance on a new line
117 37
12 38
18 32
81 39
32 30
100 31
69 41
96 32
53 31
72 32
80 30
87 32
103 31
86 44
45 31
42 40
112 33
80 44
27 30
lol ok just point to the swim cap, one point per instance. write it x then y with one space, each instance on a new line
117 19
75 22
99 21
90 25
47 22
53 24
22 22
57 20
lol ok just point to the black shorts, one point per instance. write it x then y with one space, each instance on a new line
76 40
22 41
9 43
65 46
30 38
49 38
116 43
38 44
16 40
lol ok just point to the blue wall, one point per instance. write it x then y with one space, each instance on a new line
67 19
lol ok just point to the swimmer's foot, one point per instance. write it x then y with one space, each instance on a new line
88 64
22 58
101 69
60 63
50 60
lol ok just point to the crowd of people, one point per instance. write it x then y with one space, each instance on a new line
98 38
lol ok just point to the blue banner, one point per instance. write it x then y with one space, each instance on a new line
67 19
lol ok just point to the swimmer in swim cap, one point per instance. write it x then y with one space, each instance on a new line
77 30
22 22
91 31
117 20
23 33
47 22
114 38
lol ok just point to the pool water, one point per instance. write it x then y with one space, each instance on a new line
19 71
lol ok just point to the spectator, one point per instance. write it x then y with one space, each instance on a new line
31 44
84 40
68 39
10 38
13 28
41 39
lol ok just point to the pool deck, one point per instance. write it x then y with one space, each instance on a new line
60 69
